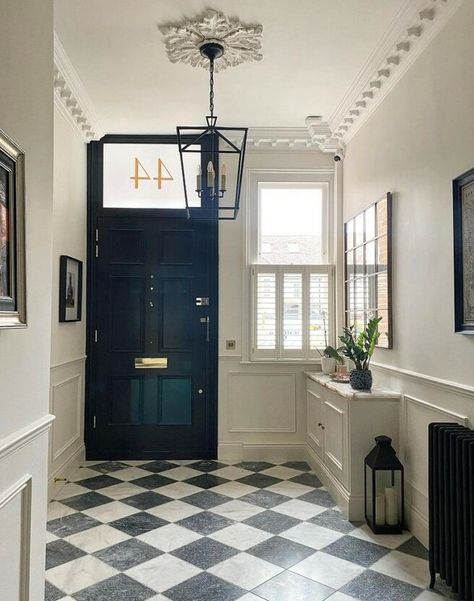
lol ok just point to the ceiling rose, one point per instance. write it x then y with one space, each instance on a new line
183 40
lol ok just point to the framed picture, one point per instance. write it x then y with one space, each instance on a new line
70 289
12 235
463 211
368 268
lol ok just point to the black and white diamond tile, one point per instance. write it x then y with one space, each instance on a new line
208 531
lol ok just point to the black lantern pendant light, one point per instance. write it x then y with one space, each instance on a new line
212 190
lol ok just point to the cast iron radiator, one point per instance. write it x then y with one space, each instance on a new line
451 507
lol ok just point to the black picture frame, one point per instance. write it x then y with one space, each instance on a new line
463 234
12 234
70 289
368 268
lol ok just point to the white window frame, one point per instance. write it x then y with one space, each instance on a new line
279 352
323 176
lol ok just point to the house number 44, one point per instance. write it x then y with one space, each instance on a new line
141 174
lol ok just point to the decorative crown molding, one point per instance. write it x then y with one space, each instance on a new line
321 136
413 28
183 40
281 138
71 97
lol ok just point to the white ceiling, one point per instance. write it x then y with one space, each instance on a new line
313 51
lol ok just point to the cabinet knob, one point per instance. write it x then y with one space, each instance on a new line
320 424
323 427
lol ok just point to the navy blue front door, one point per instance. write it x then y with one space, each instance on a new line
152 377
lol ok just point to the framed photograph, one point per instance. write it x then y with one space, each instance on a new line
12 235
368 268
70 289
463 212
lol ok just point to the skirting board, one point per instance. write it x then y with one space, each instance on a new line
65 470
233 452
417 524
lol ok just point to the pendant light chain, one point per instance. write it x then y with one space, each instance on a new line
211 87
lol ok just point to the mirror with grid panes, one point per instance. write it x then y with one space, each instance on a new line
367 257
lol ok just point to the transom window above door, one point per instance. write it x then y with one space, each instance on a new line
146 176
291 276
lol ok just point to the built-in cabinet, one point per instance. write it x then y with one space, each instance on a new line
341 427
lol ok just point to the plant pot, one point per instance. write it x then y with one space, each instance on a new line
361 379
328 365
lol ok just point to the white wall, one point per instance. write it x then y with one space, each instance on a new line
26 115
68 339
262 407
417 141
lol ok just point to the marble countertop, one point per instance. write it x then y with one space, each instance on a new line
345 390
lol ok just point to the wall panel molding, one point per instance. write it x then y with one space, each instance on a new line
417 414
261 402
23 489
75 381
445 385
69 362
22 437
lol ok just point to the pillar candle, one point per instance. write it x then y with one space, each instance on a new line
380 510
391 506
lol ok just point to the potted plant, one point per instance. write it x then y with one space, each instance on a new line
329 357
360 348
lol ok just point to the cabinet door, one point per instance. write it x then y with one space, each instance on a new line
336 435
314 421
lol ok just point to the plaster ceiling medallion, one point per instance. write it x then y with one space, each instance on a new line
184 40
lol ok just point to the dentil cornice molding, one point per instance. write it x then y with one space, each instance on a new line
183 39
280 138
71 97
412 30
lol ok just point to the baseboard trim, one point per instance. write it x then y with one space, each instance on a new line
22 437
75 460
417 524
234 451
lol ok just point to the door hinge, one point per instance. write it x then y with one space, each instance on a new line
96 251
95 336
96 235
94 422
96 242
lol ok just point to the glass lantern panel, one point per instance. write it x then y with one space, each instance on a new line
369 493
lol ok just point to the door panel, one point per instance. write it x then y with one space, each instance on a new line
314 421
148 273
335 437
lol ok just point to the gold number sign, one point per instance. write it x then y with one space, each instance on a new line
139 170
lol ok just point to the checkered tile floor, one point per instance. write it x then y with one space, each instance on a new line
208 531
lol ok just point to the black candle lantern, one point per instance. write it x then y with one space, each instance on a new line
384 489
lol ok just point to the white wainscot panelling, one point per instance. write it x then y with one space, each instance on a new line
67 435
15 527
66 405
262 402
418 415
